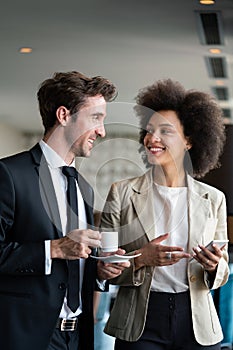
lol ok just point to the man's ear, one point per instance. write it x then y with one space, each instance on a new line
63 115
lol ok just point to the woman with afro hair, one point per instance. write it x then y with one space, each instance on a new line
168 217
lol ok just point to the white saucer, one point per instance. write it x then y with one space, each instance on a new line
115 258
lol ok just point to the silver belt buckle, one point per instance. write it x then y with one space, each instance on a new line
68 325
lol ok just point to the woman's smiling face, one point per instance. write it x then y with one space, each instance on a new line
165 142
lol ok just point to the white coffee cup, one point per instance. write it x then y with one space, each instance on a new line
109 241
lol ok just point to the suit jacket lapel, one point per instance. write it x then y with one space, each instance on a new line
88 197
142 200
198 212
198 208
48 193
87 194
46 188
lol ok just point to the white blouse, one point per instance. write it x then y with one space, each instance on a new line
171 213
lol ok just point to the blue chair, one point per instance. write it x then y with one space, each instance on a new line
103 341
223 298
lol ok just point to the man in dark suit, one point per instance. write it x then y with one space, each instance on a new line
35 246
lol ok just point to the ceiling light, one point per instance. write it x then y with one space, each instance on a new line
25 50
207 2
220 82
215 51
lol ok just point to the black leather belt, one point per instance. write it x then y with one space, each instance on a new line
67 325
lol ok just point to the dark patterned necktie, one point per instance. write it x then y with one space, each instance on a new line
72 223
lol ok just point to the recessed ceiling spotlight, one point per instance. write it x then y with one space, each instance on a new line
207 2
220 83
25 50
215 51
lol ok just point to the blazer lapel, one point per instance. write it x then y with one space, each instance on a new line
46 188
88 197
198 212
198 208
87 194
142 200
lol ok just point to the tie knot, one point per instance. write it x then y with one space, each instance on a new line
69 171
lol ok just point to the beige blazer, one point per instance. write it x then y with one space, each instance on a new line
130 210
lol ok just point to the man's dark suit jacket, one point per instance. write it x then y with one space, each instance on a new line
30 301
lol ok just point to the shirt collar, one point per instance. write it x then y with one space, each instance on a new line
52 157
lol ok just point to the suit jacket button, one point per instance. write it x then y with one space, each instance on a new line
193 278
62 286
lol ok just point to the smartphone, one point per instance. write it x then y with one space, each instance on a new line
219 242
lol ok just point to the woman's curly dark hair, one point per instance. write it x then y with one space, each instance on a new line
199 114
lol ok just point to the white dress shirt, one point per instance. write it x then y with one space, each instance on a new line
55 162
